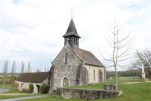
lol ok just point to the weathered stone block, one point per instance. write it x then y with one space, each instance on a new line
68 93
110 87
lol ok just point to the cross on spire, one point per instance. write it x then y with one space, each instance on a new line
71 14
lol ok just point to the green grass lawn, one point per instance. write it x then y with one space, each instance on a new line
7 86
131 92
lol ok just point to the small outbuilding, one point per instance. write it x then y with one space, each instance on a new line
37 79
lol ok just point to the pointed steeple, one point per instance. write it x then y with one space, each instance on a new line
72 36
71 31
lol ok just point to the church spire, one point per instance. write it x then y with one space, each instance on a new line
71 31
71 35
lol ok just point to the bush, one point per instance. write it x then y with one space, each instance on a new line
31 87
43 89
12 79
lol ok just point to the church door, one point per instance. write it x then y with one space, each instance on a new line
65 82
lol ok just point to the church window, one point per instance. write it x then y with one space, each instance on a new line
100 75
94 74
65 58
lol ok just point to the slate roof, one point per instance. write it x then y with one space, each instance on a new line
71 30
38 77
88 57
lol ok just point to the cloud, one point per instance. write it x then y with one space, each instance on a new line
31 30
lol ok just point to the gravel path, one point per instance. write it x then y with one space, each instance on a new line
25 98
136 82
3 90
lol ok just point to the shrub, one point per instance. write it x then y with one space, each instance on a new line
31 87
43 89
12 79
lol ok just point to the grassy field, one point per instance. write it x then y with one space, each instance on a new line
131 92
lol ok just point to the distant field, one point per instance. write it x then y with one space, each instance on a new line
131 92
9 74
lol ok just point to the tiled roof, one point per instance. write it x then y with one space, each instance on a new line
88 57
38 77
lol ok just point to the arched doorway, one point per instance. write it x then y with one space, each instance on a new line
65 82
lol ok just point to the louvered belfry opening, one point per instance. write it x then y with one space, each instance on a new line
71 36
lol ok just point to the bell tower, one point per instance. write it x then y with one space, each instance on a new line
72 36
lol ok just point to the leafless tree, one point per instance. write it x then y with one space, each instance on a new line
120 42
5 71
45 69
143 57
22 67
38 70
29 67
13 72
13 69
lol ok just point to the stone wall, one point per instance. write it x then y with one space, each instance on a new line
22 85
68 93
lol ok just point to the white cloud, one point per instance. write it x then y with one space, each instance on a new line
32 30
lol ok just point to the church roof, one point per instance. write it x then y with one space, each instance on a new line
71 31
37 77
88 57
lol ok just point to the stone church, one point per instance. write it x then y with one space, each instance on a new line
73 65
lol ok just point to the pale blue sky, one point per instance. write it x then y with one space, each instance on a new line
32 30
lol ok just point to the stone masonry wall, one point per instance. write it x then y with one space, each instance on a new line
68 69
68 93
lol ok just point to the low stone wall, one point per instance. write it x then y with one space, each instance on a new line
68 93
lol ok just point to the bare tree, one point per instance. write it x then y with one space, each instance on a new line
38 70
13 72
5 70
22 67
45 69
120 42
143 57
29 67
13 69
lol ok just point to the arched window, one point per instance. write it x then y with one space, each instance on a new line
100 76
94 74
65 58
